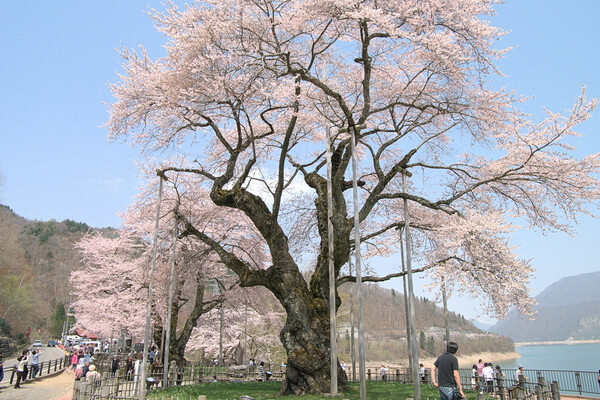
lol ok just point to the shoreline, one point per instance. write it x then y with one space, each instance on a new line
465 361
549 342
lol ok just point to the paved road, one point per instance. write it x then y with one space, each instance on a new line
46 354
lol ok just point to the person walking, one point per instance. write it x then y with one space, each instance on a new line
448 378
74 360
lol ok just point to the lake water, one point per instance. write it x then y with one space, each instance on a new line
571 357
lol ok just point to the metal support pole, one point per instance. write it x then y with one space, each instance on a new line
413 347
359 299
332 285
352 345
445 303
149 299
166 347
221 322
245 361
406 306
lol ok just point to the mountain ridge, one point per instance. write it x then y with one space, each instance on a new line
568 309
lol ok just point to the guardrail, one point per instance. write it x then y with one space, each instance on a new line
582 383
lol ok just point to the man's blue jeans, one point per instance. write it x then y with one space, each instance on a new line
447 393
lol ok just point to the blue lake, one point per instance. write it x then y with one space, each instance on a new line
573 357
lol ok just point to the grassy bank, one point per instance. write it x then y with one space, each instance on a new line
270 390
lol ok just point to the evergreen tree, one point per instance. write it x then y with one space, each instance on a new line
58 320
431 345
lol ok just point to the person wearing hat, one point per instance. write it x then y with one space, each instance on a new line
447 380
92 376
519 377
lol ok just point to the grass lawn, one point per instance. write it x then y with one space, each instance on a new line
270 390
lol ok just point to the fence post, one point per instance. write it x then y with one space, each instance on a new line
555 390
173 373
538 392
369 374
578 380
501 387
76 390
83 390
49 366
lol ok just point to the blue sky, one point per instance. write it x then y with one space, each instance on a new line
57 58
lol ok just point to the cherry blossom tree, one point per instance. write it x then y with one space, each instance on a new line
111 289
247 90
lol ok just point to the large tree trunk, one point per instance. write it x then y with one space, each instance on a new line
306 340
305 335
179 342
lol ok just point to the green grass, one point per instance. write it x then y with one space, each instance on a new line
270 390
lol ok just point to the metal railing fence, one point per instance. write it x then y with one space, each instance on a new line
45 368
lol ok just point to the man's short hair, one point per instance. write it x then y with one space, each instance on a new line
452 347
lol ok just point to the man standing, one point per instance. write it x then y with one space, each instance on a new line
448 378
35 362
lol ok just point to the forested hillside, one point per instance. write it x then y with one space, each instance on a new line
36 260
385 327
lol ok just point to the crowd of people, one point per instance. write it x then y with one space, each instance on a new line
83 367
483 375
